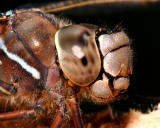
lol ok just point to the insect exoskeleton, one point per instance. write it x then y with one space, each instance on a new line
78 54
117 65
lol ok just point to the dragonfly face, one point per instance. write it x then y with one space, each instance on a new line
47 63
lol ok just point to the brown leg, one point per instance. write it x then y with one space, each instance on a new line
76 113
58 120
15 115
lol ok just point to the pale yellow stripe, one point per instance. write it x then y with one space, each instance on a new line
4 91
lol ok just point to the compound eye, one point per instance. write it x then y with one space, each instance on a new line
78 54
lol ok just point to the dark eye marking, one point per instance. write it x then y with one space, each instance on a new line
84 61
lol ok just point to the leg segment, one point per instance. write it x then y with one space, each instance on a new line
15 115
75 113
58 120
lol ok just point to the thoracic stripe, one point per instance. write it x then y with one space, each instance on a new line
28 68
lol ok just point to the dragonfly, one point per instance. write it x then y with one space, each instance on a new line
49 66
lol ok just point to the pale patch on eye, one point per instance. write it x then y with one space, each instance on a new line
20 61
36 43
0 62
9 12
85 36
77 51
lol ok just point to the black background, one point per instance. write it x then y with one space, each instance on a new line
141 22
